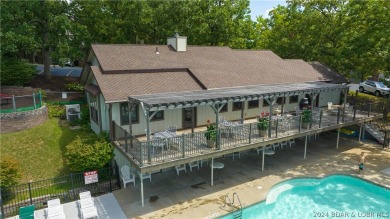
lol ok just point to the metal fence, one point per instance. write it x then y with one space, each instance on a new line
12 103
23 103
66 188
63 98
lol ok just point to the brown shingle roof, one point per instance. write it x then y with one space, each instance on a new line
214 67
117 87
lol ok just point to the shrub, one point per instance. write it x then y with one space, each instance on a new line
15 72
88 153
56 110
74 86
9 172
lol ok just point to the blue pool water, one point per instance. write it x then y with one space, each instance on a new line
336 196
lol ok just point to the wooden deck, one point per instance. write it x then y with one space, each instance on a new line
187 147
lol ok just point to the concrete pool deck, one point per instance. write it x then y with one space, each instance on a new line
190 194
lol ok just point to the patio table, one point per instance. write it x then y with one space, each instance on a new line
166 135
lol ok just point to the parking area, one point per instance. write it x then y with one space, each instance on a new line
58 71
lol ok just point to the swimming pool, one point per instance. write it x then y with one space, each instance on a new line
335 196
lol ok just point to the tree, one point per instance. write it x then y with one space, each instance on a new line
349 36
31 26
15 72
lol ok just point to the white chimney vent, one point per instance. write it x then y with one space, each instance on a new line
179 43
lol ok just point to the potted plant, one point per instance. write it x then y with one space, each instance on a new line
306 116
262 124
211 134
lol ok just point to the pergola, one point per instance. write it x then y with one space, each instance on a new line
217 98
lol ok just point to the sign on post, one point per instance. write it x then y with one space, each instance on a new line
91 177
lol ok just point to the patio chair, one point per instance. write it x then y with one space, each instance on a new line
193 164
27 212
56 212
275 145
87 205
283 143
85 195
179 168
126 176
260 149
172 128
53 203
157 143
238 131
291 142
146 176
330 104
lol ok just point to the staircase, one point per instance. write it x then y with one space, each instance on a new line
375 129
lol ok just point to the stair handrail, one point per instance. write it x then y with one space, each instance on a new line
230 201
238 198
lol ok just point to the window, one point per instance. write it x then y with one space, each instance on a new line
124 108
281 100
224 108
158 116
93 108
293 99
265 103
237 106
253 104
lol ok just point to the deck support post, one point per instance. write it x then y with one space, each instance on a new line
262 160
271 101
313 96
142 189
338 137
212 171
304 154
360 131
345 92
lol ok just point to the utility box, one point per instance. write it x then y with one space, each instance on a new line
72 112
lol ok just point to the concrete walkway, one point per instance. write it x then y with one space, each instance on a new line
106 205
190 194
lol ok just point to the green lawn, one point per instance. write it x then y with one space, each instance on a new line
39 150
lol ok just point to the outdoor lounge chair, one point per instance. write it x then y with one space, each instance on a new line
87 206
126 176
27 212
54 209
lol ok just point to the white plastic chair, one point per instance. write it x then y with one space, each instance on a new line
291 142
85 195
330 104
157 143
146 176
275 145
126 176
260 149
283 143
193 164
179 168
